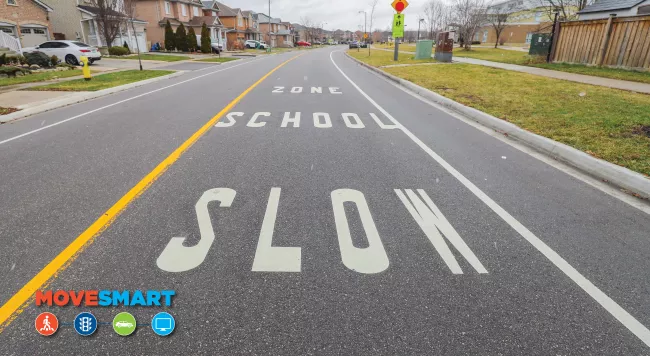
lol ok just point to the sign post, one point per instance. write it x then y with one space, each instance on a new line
398 23
365 40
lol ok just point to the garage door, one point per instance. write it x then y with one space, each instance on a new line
30 37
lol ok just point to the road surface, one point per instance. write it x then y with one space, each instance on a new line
327 212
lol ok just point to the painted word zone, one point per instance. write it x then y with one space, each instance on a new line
177 257
310 90
321 120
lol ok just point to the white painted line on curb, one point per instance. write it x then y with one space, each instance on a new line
599 296
119 102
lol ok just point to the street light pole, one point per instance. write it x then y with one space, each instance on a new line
419 22
270 42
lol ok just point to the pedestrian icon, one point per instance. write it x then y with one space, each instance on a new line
163 324
46 324
85 324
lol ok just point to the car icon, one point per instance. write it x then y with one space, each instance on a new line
123 324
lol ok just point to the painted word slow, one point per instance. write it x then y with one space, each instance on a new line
177 257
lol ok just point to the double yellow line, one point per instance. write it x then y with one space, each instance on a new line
19 301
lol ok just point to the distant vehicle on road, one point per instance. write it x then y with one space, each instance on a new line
354 44
69 51
363 45
317 43
303 44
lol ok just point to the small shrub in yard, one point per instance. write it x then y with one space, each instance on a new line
11 71
3 59
192 45
21 59
66 65
38 58
126 45
205 39
170 37
55 60
181 39
118 51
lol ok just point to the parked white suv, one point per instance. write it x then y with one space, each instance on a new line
255 44
68 51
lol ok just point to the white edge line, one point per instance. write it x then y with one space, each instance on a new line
601 298
121 101
574 172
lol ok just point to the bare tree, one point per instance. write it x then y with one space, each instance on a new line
468 16
108 18
566 8
373 4
129 13
498 17
436 15
308 28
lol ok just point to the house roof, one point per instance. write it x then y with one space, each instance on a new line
43 5
91 10
246 13
226 11
210 5
172 21
262 18
610 5
210 21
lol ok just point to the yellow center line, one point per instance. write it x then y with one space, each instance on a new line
19 301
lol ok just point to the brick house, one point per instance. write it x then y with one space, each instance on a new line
27 20
269 28
525 17
77 20
188 12
252 27
234 25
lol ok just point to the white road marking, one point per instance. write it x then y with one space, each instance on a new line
231 119
433 223
12 267
270 258
381 124
296 90
318 90
277 89
326 117
372 259
601 298
178 258
288 119
253 121
349 117
120 102
335 90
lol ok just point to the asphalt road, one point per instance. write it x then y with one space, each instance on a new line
374 224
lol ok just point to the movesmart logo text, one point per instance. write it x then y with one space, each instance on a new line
105 298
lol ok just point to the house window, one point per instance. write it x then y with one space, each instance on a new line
240 21
644 10
184 9
25 31
12 2
214 13
168 9
196 10
39 31
529 37
538 16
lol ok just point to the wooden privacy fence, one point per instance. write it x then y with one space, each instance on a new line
620 42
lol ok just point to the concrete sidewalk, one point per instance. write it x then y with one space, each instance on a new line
579 78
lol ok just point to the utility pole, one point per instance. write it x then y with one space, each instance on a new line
270 42
365 23
419 22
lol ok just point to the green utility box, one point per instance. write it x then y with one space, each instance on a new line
540 44
423 49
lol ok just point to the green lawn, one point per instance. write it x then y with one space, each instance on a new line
606 123
154 57
104 81
380 58
217 59
39 77
522 58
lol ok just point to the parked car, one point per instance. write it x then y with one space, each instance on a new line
317 43
263 45
69 51
363 45
216 47
255 44
303 44
354 44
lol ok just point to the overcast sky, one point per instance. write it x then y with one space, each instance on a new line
338 14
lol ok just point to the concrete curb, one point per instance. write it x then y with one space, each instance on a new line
617 175
55 104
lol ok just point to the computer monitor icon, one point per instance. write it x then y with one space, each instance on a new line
163 324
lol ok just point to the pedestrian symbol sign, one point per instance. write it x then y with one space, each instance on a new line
46 324
398 25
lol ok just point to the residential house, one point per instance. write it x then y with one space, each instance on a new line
211 19
233 22
24 22
622 8
269 28
77 20
292 37
252 27
177 12
525 17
